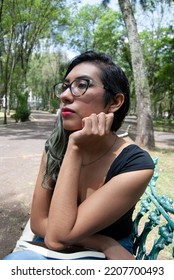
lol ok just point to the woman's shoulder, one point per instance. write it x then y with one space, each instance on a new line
134 149
134 154
131 158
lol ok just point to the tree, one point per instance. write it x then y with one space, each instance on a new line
158 47
24 24
1 44
45 70
80 33
100 31
145 132
109 33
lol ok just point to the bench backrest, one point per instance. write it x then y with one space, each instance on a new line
157 212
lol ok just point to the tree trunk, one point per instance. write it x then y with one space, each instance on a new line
145 132
1 47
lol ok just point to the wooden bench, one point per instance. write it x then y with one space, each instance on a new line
155 212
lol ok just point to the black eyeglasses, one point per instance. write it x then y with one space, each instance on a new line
78 87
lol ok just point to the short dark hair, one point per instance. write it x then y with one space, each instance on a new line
113 78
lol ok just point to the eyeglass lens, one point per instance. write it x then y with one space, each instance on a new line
77 87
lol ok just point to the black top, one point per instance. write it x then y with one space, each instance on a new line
131 158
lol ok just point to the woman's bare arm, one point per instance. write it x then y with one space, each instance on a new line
40 203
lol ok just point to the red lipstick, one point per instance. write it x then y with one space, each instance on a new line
66 112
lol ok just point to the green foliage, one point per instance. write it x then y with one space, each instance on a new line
91 29
22 114
29 28
80 34
158 47
54 105
22 110
109 34
101 31
45 70
151 5
163 124
24 26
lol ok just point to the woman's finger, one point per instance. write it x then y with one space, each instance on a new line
102 123
109 121
97 124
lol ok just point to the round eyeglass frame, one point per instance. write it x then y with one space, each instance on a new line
70 86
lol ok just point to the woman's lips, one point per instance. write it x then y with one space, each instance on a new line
66 112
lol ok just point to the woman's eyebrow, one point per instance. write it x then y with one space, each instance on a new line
78 77
84 77
66 80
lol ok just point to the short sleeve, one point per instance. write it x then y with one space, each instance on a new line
132 158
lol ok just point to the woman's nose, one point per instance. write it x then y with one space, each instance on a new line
67 96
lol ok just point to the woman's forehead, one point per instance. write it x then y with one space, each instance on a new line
85 69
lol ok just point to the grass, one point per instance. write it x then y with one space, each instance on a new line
9 119
165 170
164 124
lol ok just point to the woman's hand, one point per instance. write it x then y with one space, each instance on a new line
110 247
113 250
94 127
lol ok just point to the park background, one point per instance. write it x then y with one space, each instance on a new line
38 39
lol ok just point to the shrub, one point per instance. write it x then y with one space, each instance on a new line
22 111
22 114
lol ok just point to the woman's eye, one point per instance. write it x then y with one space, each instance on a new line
64 87
82 84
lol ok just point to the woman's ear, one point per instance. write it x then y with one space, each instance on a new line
116 103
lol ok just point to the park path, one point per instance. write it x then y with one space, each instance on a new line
21 146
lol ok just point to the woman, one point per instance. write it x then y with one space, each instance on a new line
90 179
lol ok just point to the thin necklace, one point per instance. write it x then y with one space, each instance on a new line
86 164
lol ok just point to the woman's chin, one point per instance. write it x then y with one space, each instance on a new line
71 128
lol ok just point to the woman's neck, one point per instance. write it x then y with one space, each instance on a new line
103 148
